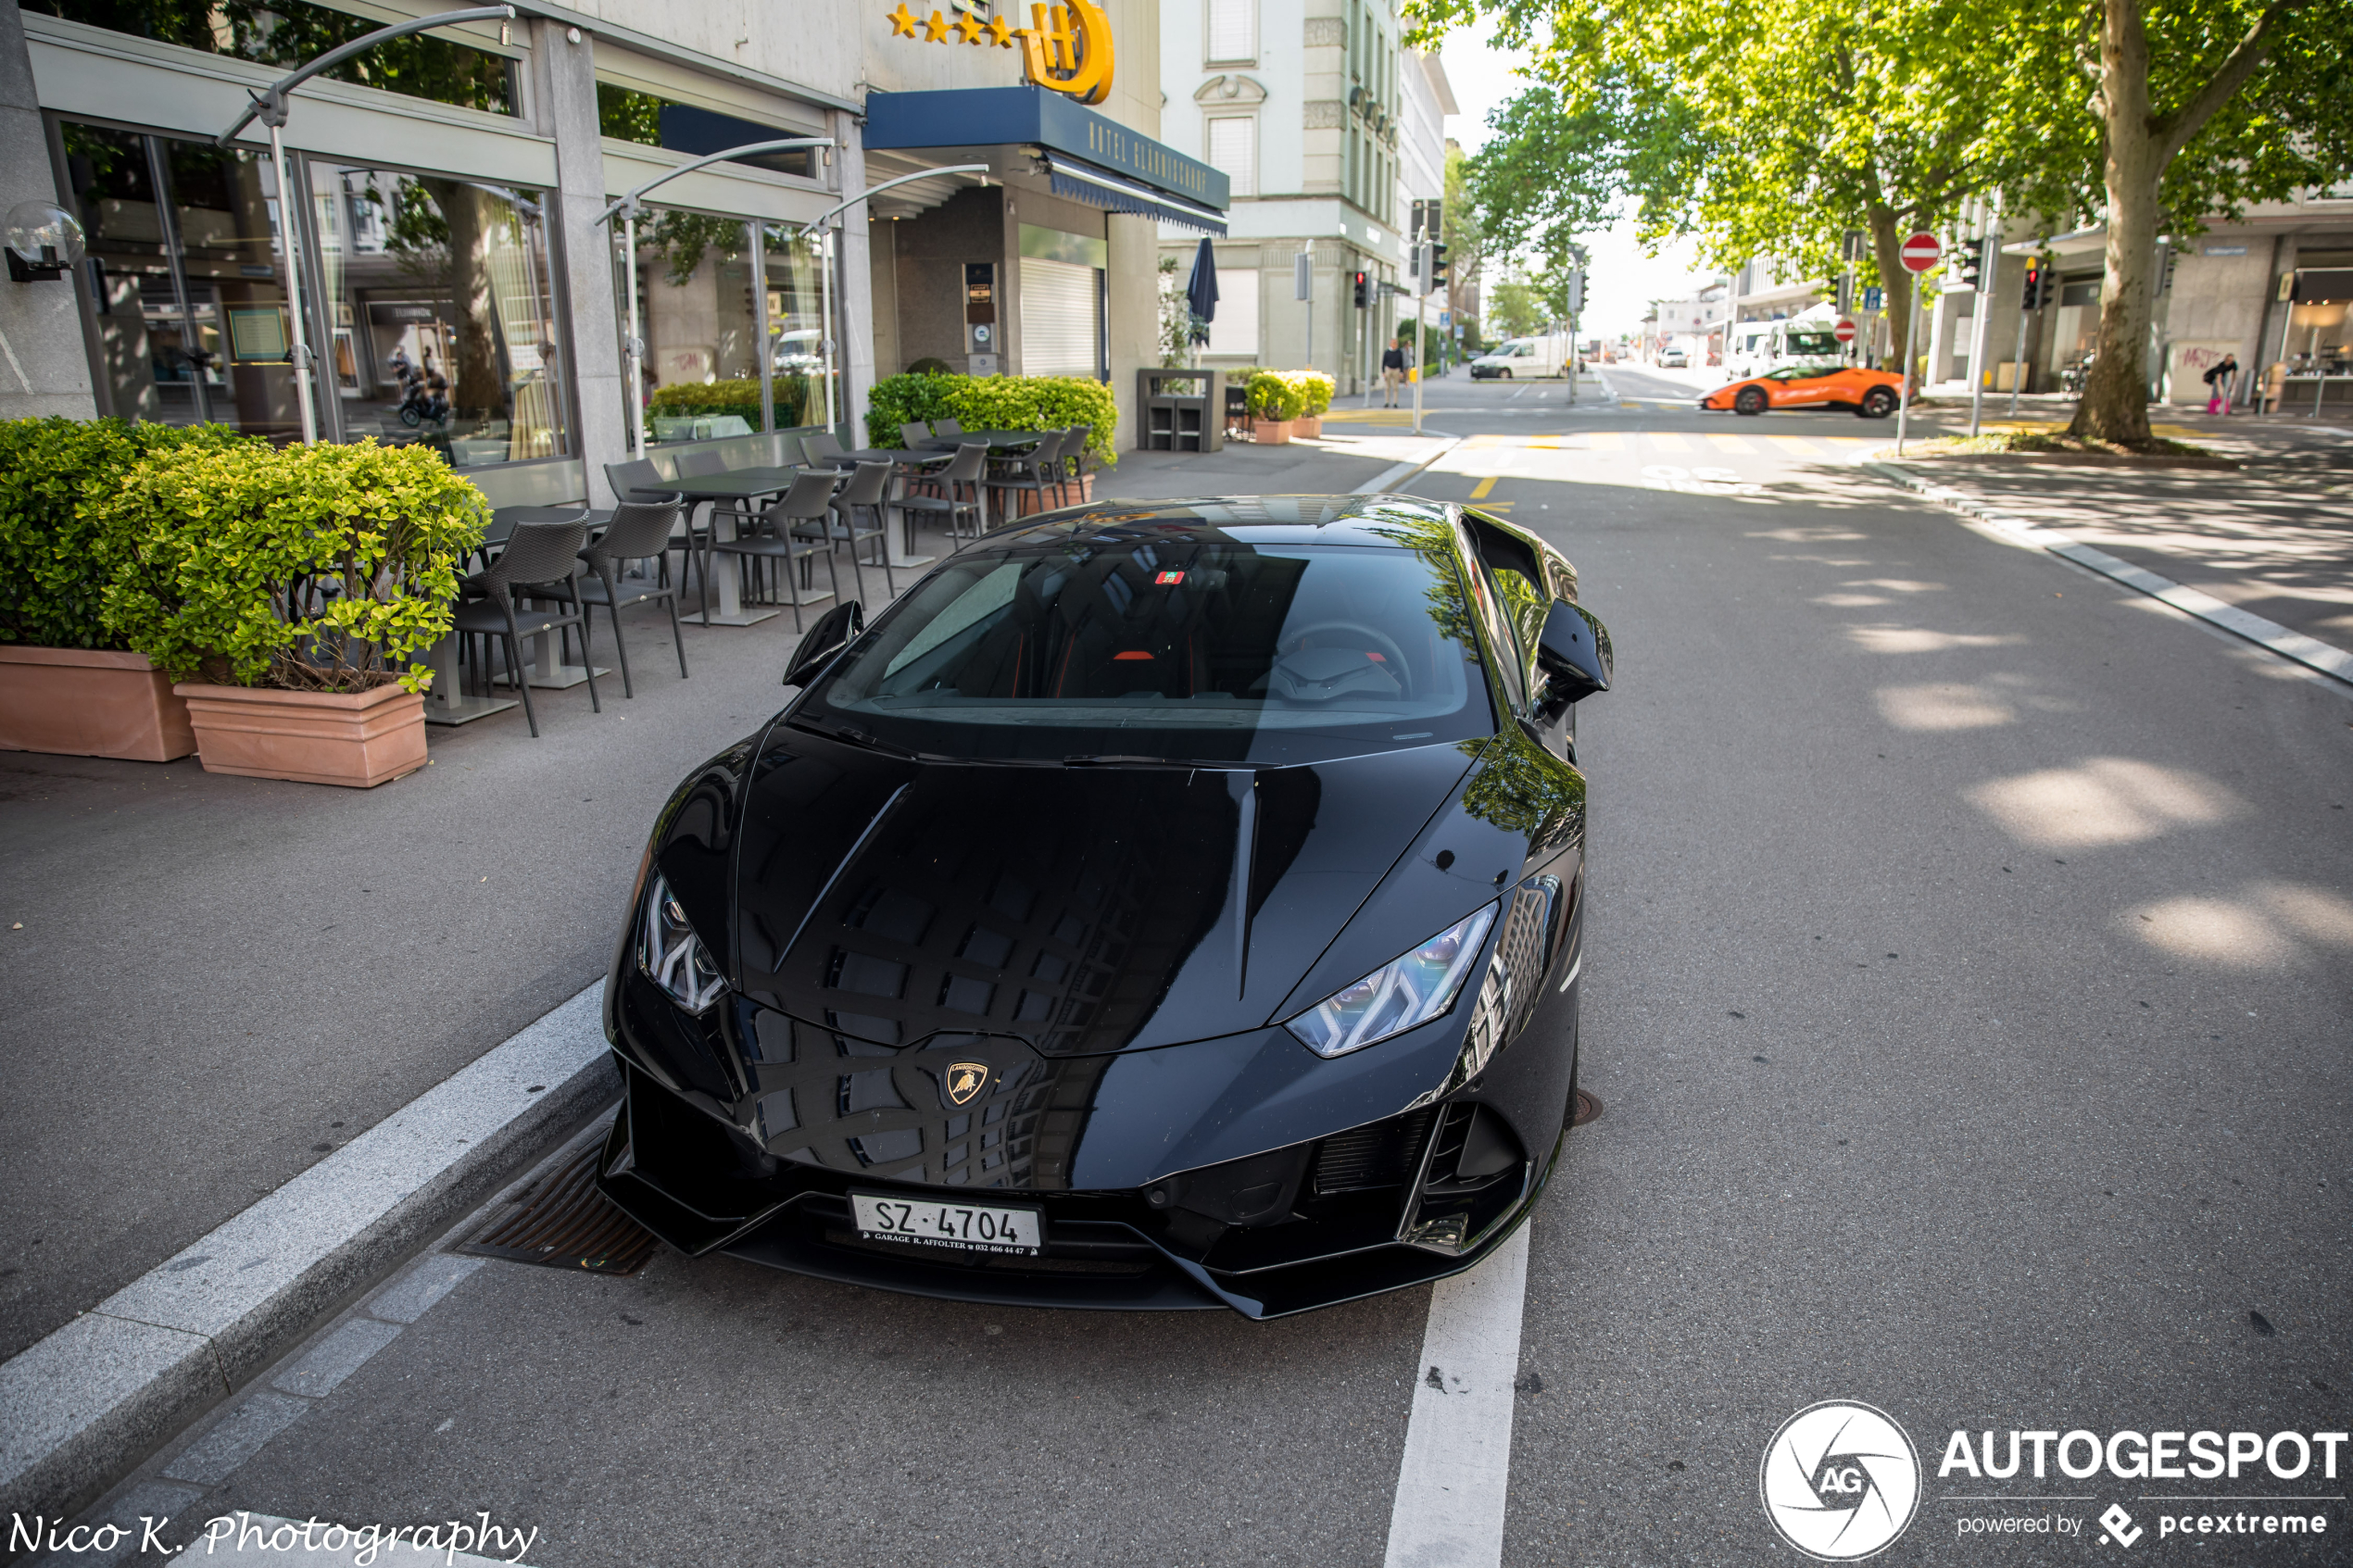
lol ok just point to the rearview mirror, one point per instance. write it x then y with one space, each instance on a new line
834 631
1574 653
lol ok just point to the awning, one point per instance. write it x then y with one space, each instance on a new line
1083 183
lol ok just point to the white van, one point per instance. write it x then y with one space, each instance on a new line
1521 357
1759 346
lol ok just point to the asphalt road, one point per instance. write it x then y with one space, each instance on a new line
1968 990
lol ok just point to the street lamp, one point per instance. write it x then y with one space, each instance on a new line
270 107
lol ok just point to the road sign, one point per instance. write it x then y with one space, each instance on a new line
1445 320
1874 298
1920 252
1844 332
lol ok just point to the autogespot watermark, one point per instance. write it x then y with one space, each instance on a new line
1841 1481
256 1535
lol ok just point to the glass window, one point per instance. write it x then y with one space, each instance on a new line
442 330
700 313
1182 647
287 33
1233 151
1233 29
189 298
801 327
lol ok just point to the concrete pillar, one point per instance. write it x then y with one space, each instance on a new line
1133 319
45 365
564 107
854 326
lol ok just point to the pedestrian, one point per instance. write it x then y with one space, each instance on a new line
1392 373
2221 380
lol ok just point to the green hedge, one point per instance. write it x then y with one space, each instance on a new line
307 568
1276 395
995 403
50 545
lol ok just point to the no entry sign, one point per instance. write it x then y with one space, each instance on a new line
1920 252
1844 332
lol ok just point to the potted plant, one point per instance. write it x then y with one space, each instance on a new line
1275 402
1316 388
68 683
284 591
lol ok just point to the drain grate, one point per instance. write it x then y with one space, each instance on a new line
1587 1109
564 1223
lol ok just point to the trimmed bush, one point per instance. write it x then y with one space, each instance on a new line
995 403
319 568
1316 387
1276 394
51 471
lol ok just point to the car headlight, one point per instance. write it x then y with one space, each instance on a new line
672 954
1402 994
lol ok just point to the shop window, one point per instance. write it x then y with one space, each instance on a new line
286 34
441 329
1233 151
1233 31
1061 317
739 326
628 115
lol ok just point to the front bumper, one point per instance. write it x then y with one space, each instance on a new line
1375 1208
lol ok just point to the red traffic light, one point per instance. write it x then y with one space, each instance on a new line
1364 288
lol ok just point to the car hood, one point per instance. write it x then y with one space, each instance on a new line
1083 910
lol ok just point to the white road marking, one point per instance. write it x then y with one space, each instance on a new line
1451 1482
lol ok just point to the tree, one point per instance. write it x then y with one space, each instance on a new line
2200 106
1514 309
1465 238
1763 127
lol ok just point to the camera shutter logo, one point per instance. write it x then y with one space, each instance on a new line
1841 1481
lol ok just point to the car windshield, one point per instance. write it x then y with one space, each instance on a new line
1813 343
1204 649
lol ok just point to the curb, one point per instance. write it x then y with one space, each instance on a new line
1397 474
85 1405
2310 652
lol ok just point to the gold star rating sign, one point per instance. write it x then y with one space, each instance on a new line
935 29
968 28
903 21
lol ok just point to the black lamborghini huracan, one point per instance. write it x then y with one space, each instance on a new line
1168 904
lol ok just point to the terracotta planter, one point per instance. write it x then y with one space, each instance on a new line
1308 427
1270 433
85 702
360 740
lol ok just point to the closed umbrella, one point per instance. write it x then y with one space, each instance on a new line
1200 292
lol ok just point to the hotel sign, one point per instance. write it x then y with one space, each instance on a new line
1067 49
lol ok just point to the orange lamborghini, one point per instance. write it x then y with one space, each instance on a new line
1872 393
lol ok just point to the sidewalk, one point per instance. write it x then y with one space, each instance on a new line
221 980
2274 538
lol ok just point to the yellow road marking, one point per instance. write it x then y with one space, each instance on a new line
1729 444
1795 445
1848 441
1479 491
1666 440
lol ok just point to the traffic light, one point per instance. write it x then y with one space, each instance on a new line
1363 289
1437 266
2032 298
1973 265
1576 292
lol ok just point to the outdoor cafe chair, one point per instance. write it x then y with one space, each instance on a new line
961 483
918 436
538 556
640 480
949 432
821 451
1032 472
801 518
1077 460
868 491
639 530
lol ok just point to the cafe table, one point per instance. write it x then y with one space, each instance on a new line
447 701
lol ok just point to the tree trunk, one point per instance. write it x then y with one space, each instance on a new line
1887 249
2115 402
476 389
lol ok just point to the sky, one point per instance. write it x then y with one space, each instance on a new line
1623 277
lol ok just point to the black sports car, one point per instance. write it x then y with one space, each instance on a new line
1161 905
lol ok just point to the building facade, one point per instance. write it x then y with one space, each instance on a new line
461 281
1329 130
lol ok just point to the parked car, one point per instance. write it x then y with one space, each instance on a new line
1872 393
1673 358
1521 357
1171 905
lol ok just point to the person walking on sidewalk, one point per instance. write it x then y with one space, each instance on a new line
1392 373
2221 380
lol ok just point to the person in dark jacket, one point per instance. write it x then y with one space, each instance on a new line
1392 373
2221 381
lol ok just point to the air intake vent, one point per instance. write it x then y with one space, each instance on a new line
1378 1155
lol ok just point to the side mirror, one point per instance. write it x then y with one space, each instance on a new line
1574 653
834 631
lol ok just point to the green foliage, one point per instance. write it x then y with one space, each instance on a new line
307 568
740 397
51 472
626 115
1274 395
995 403
683 237
1318 388
1513 310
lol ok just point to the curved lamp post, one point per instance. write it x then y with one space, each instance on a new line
270 107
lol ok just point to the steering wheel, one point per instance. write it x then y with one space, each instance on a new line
1392 655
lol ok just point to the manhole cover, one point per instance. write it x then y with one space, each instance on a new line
564 1223
1587 1109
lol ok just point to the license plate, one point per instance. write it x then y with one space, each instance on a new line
970 1227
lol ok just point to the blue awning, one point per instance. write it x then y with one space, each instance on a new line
1095 188
1029 116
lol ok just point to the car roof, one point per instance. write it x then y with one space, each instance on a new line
1241 519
